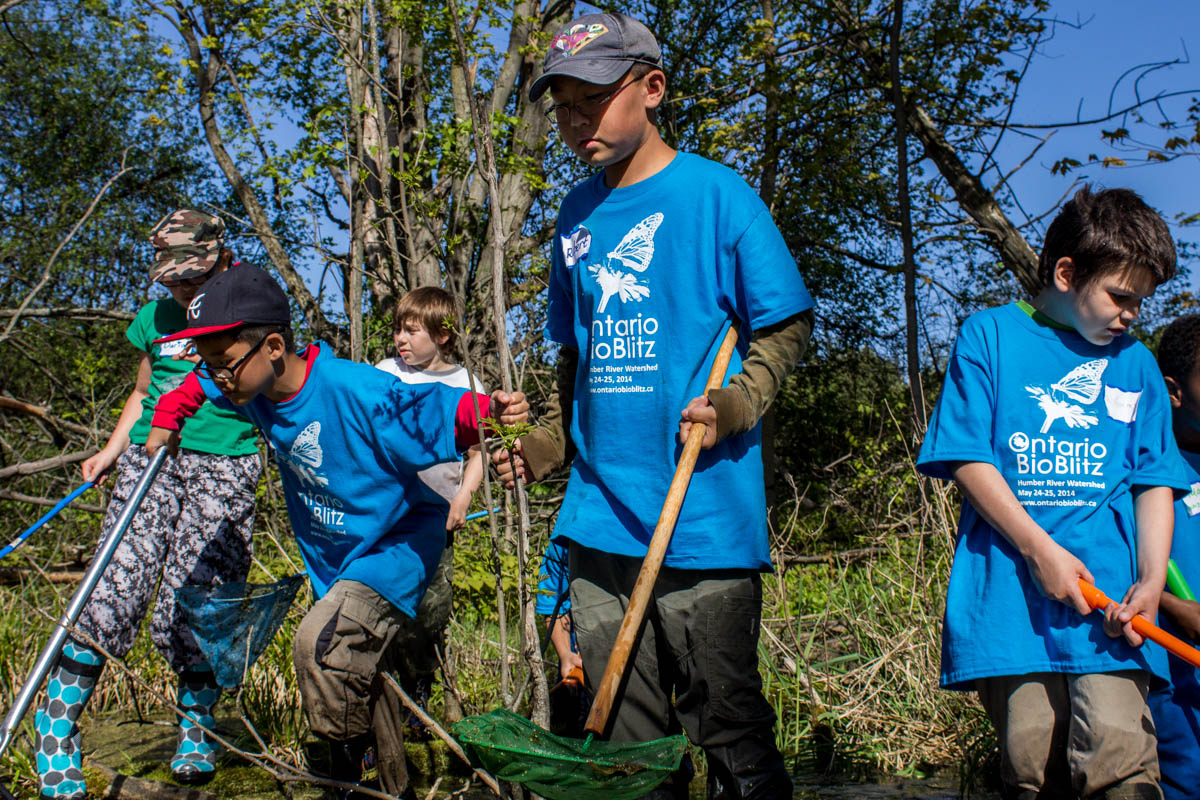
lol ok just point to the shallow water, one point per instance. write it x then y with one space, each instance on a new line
144 749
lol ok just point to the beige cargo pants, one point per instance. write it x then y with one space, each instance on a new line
1064 736
341 651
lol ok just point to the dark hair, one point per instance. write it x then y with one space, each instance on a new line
1106 232
1178 347
252 334
641 69
431 306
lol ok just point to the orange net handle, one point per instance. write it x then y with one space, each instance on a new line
1173 644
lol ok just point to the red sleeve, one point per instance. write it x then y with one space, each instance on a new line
178 404
466 429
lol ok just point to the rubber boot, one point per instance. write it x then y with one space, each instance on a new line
195 758
59 745
346 764
750 769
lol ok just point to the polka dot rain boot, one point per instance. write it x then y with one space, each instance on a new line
196 756
59 743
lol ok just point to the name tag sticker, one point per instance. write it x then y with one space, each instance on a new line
1191 501
1120 404
172 349
576 246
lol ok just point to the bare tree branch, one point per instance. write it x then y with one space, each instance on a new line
74 313
54 256
56 462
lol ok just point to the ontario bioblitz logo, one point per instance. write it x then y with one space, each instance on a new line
1071 402
621 276
304 459
1048 455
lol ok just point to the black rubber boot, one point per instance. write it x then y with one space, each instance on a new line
346 764
748 770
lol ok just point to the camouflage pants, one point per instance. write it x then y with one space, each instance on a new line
193 528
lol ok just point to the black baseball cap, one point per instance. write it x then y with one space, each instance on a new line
243 295
597 48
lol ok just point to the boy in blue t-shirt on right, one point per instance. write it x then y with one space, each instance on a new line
1176 706
1055 425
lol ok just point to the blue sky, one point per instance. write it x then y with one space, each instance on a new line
1073 79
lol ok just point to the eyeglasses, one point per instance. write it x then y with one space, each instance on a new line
588 106
227 374
197 280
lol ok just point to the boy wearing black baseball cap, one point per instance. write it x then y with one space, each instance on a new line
350 440
655 257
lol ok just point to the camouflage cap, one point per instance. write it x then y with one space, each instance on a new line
186 243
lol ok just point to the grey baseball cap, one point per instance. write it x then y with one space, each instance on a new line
597 48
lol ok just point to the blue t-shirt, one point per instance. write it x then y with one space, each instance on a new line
1176 707
554 584
644 282
1073 427
349 446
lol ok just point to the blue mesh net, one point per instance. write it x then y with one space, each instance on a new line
234 622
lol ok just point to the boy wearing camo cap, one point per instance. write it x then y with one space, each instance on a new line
193 528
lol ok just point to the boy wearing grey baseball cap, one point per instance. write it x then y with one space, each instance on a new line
654 258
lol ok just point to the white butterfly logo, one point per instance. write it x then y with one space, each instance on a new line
305 456
1081 384
635 251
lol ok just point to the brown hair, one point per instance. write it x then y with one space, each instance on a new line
1106 232
432 307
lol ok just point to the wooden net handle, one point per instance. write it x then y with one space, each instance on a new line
638 601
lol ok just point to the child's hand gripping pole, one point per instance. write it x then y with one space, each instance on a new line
1173 644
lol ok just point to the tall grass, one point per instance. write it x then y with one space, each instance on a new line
849 649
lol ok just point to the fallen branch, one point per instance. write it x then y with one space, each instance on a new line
21 407
440 732
127 787
76 313
32 467
14 575
17 497
831 558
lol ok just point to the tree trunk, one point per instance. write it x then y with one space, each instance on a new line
906 230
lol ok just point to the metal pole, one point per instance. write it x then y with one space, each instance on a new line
78 601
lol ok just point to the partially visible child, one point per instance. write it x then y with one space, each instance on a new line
569 701
554 603
1056 426
351 441
424 336
193 527
1176 706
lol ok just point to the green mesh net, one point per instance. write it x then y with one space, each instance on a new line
559 768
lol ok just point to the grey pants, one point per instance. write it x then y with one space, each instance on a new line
193 528
700 646
416 649
1064 736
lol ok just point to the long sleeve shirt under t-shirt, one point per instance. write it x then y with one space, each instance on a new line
349 444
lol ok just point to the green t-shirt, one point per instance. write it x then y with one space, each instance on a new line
211 429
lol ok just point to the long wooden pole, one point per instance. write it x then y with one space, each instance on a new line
640 598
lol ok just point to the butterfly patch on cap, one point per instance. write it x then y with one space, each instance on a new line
577 37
